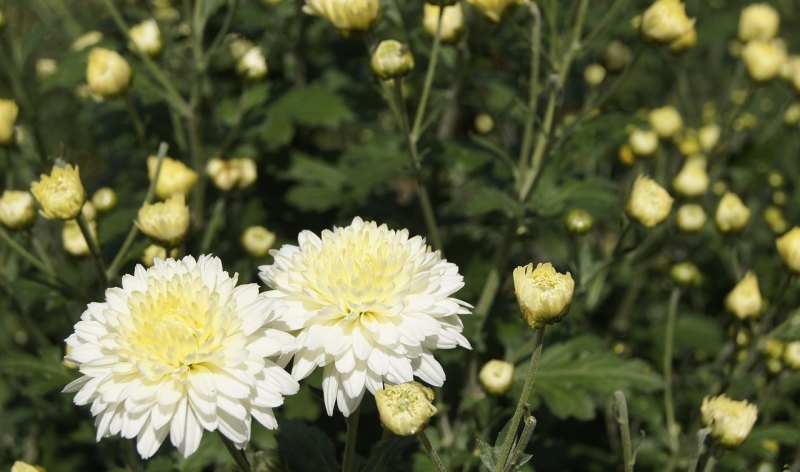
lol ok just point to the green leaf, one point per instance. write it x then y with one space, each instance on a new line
489 199
782 432
391 454
305 447
489 454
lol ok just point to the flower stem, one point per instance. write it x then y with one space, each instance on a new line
533 86
624 430
426 443
93 247
350 444
217 218
533 366
138 126
237 454
22 252
419 117
669 342
701 440
524 439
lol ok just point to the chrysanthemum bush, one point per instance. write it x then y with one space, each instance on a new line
367 235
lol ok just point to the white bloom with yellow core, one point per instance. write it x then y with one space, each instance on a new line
165 222
665 121
643 142
708 136
745 300
649 203
789 249
791 355
177 349
543 294
452 21
60 194
153 252
497 376
764 59
594 74
692 180
346 15
391 60
494 9
405 409
174 178
146 38
104 199
758 21
252 65
730 420
368 304
87 40
20 466
690 217
108 74
258 240
665 21
9 111
17 209
732 214
72 238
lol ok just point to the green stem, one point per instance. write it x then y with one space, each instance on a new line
223 31
701 441
350 444
97 257
20 91
429 74
669 342
22 252
533 367
426 443
624 430
711 463
524 439
138 126
217 218
237 454
533 86
492 283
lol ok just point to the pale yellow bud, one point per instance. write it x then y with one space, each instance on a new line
732 214
17 210
792 115
665 121
8 118
730 420
104 199
405 409
690 217
146 38
791 72
626 155
165 222
649 203
66 362
617 56
708 136
773 349
45 67
165 11
497 376
20 466
239 47
494 9
544 295
175 178
745 300
108 74
346 15
246 171
686 274
688 144
764 59
775 179
392 59
594 74
692 180
60 194
719 188
484 123
87 40
72 238
789 249
665 21
791 355
222 173
775 219
252 65
758 21
643 142
684 42
153 252
452 21
89 211
258 240
579 221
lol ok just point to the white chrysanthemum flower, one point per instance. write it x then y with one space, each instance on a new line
177 349
369 305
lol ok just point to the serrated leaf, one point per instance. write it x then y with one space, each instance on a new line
488 454
489 199
305 447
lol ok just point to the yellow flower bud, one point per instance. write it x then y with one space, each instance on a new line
405 409
146 38
497 376
246 171
791 355
688 144
745 300
2 20
20 466
45 67
175 178
692 180
154 251
104 199
730 420
494 9
791 72
87 40
775 219
579 221
649 203
617 56
222 173
484 123
8 118
239 47
686 274
708 136
643 142
346 15
775 179
690 217
626 155
452 21
684 42
165 222
594 74
108 74
773 349
73 240
164 10
792 115
392 59
764 59
758 21
544 295
89 211
665 121
789 249
665 21
17 210
60 194
252 65
732 214
257 240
